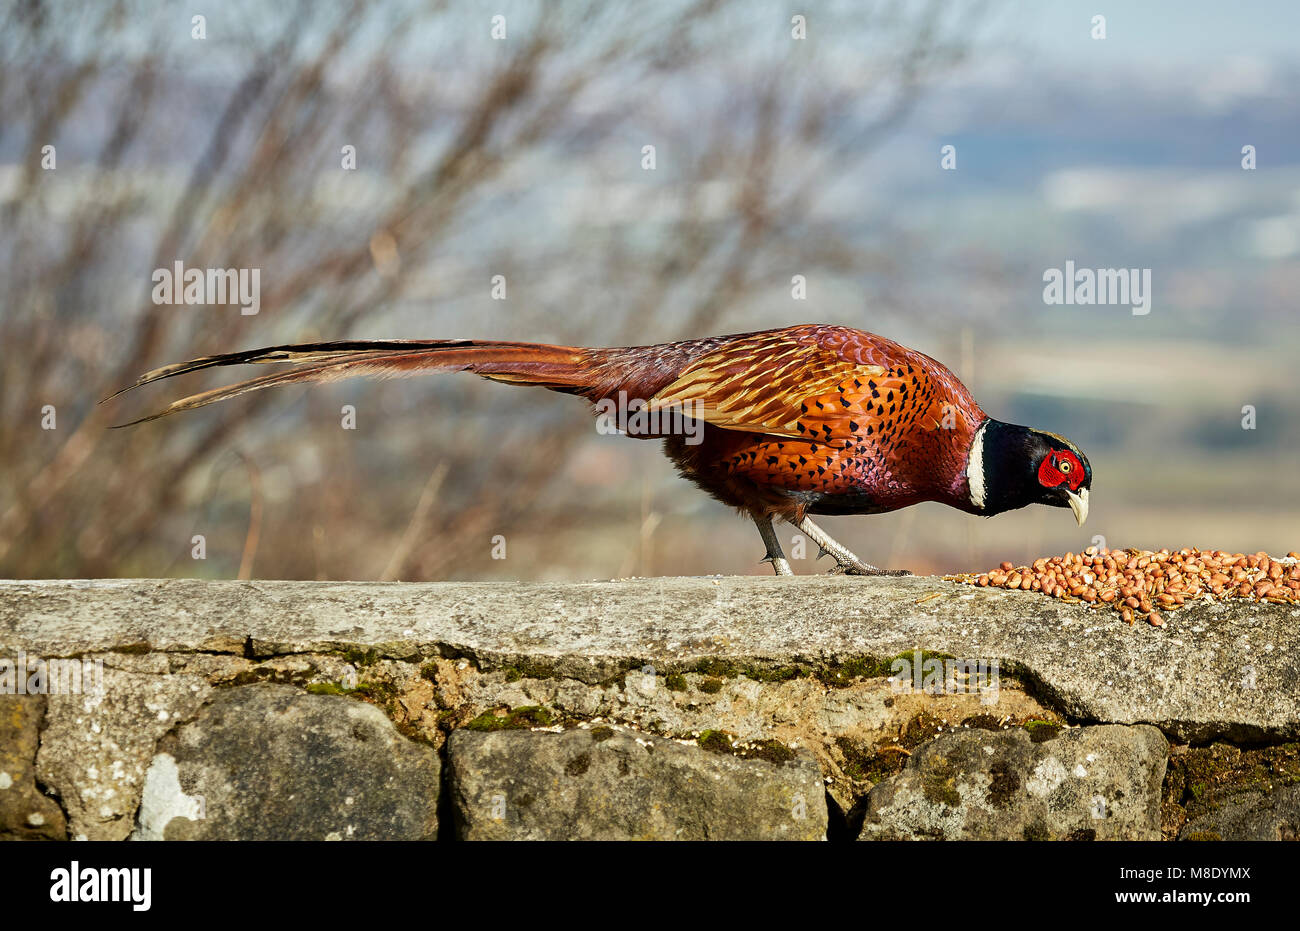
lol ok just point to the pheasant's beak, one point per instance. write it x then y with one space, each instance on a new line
1079 505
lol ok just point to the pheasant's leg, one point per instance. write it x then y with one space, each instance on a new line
848 562
774 554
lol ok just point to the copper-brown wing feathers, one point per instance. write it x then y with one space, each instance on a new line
830 411
762 384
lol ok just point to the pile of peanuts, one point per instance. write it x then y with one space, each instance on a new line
1141 582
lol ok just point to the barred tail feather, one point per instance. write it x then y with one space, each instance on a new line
560 368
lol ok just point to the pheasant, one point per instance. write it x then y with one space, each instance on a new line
783 424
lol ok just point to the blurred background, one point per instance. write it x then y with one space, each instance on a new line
522 157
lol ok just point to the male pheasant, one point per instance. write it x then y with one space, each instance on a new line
802 420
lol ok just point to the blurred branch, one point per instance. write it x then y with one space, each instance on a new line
405 546
254 533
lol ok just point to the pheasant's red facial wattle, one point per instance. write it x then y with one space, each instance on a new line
1061 467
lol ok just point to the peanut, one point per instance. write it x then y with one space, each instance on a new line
1133 581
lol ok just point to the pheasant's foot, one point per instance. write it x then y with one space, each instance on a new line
774 553
847 563
779 565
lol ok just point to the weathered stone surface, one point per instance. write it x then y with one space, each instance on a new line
800 712
271 762
1228 670
26 813
1222 792
1250 816
96 745
607 784
795 660
1091 783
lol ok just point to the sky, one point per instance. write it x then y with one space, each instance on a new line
1184 32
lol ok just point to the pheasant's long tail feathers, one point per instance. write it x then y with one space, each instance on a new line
561 368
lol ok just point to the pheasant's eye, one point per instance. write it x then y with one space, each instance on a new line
1064 466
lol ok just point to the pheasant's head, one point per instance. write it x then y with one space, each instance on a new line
1011 466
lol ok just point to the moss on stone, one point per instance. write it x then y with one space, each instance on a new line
361 658
711 685
265 673
866 763
773 751
378 693
487 721
1041 731
728 669
414 732
327 688
773 673
134 649
675 682
1036 830
1200 780
514 719
531 716
1004 785
845 672
525 668
836 674
715 741
717 667
939 781
921 728
1038 728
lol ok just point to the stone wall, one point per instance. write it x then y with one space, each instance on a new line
660 708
